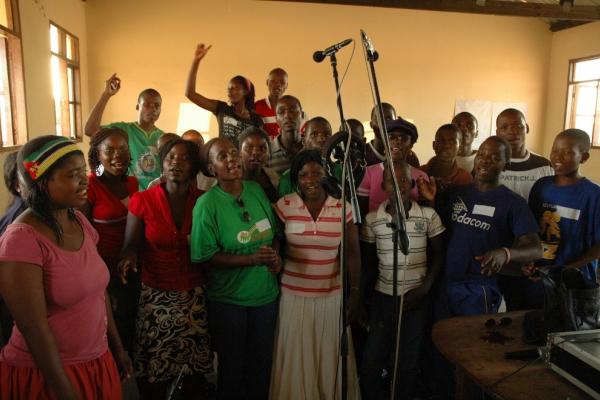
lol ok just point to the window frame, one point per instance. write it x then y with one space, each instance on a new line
75 65
571 100
15 77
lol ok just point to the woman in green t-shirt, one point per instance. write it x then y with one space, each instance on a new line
233 234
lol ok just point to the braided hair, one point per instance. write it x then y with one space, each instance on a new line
38 198
94 151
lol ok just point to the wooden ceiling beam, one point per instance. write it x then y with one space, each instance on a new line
494 7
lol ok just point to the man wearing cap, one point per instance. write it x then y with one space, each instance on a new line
402 135
374 151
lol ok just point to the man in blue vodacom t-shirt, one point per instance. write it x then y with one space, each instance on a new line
490 226
143 134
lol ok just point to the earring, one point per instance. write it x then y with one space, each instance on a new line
99 170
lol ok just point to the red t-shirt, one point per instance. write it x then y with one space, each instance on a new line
165 256
457 177
109 217
263 108
74 287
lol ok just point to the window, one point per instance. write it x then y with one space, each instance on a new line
64 50
583 98
13 126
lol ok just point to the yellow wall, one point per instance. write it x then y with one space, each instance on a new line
428 59
582 41
35 20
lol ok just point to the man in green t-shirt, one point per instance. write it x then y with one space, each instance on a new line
143 134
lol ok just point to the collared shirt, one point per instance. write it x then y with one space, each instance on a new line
166 252
311 265
280 159
267 112
423 223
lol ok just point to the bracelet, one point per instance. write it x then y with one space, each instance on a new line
507 251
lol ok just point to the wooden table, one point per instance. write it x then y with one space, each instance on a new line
459 340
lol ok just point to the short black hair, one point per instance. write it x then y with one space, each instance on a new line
320 119
511 111
501 141
278 70
289 97
465 114
253 131
383 107
148 92
580 136
448 127
205 154
11 179
192 150
99 137
311 155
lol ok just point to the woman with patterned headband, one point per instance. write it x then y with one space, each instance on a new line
54 281
234 118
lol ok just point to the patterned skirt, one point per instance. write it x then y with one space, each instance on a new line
171 333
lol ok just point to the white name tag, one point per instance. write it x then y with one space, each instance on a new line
480 209
568 213
294 228
263 225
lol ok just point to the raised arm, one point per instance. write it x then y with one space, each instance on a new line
190 87
113 84
22 287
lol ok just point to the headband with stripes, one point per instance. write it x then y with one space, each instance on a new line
38 162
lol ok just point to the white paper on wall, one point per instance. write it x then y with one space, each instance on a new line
486 112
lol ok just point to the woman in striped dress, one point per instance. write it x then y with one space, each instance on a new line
307 362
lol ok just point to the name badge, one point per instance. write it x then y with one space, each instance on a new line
263 225
480 209
568 213
294 228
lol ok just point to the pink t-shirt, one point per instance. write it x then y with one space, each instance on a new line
74 285
371 185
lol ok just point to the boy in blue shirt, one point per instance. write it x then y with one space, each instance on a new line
567 208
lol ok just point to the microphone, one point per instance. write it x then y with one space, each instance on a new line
319 56
371 52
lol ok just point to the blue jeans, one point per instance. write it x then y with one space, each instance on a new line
380 344
243 338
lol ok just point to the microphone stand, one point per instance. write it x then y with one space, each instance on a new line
347 179
399 236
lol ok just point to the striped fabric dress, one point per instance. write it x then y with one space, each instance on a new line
306 363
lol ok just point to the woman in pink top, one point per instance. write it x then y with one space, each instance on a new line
306 362
54 281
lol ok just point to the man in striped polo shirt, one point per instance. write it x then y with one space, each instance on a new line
277 83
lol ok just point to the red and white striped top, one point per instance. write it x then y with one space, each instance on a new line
311 266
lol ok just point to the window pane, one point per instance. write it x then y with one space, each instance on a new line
70 90
69 47
72 126
585 123
5 110
4 14
586 99
54 39
587 70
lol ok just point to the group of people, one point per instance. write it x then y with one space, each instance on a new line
164 250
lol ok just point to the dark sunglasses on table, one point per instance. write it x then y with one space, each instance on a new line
245 213
503 322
